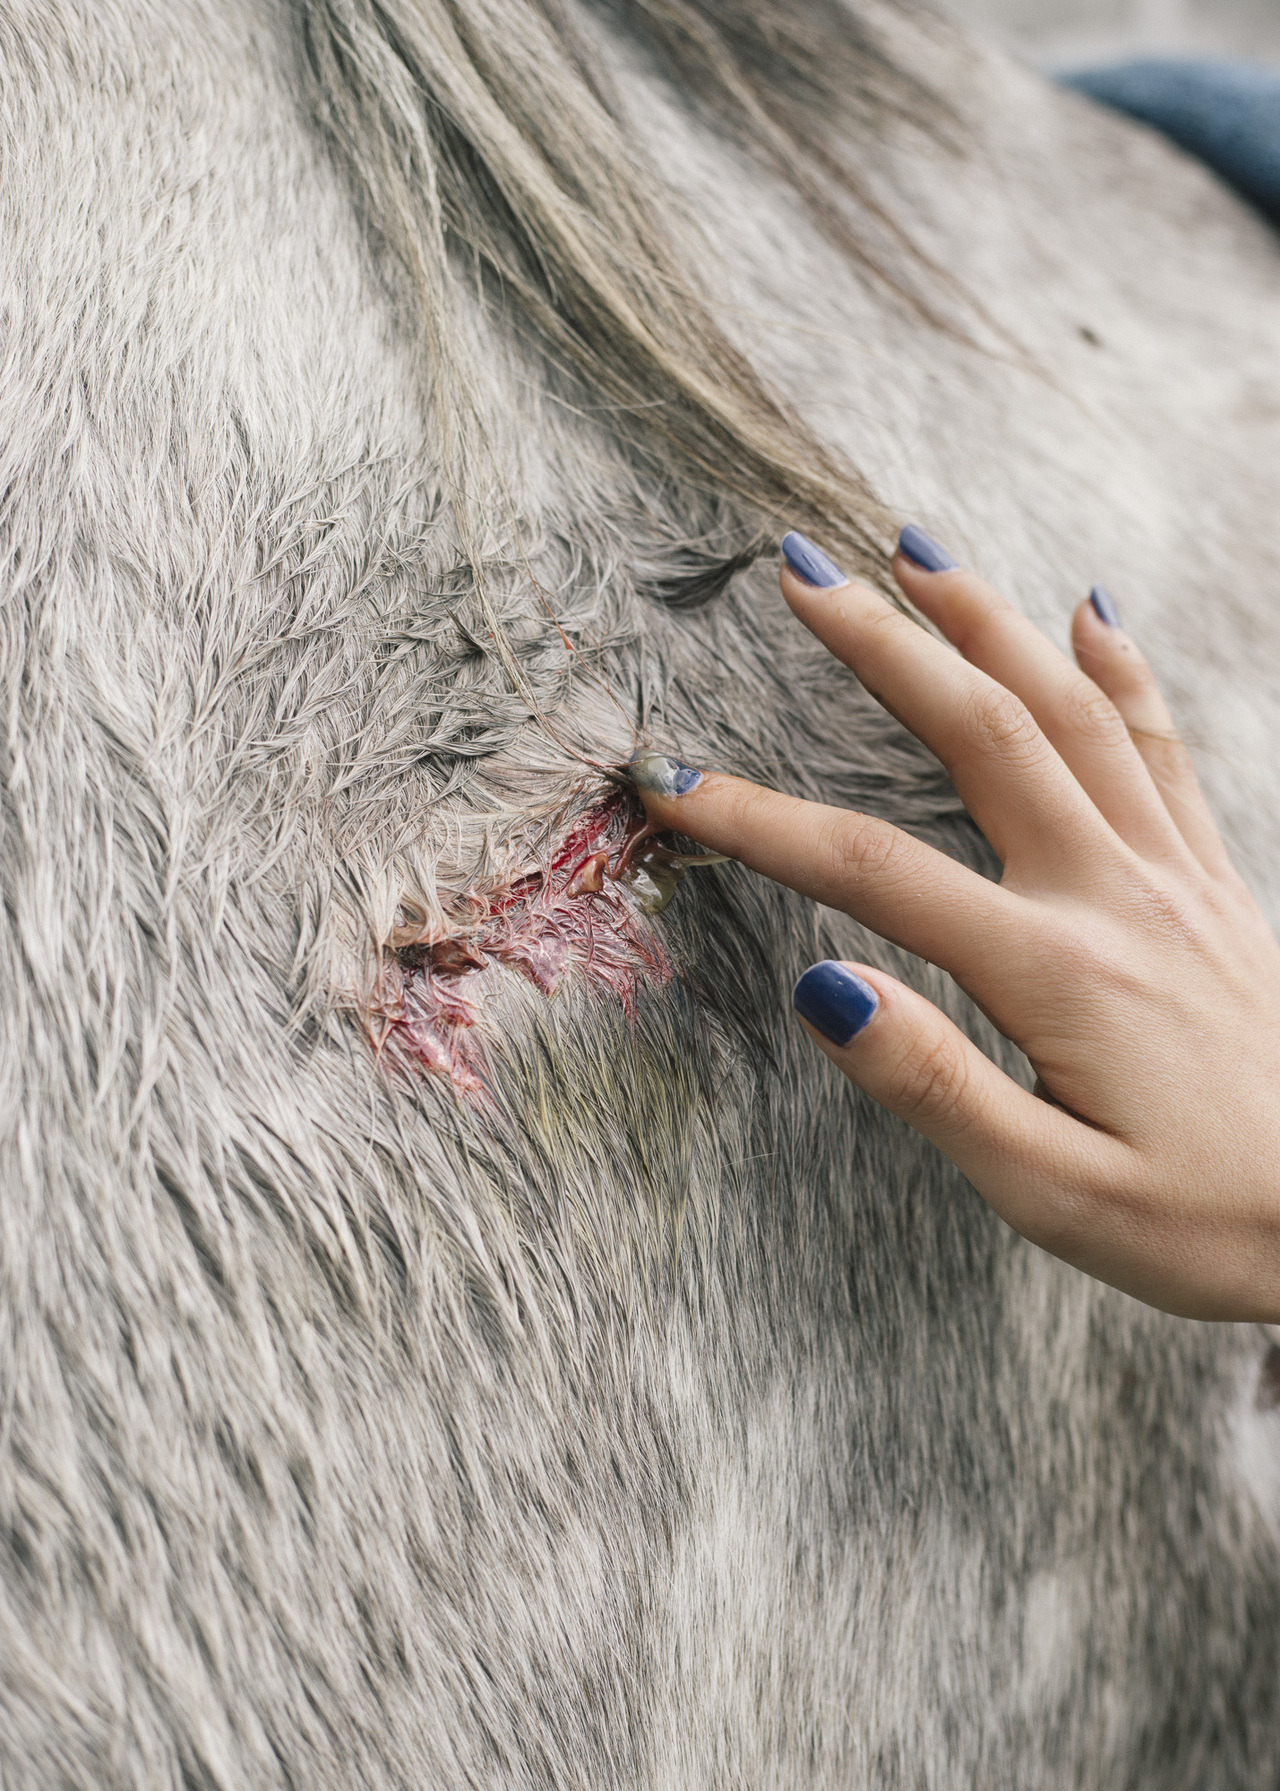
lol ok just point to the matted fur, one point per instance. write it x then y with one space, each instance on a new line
674 1418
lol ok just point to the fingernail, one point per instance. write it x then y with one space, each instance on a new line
923 551
655 772
1103 607
810 563
834 1000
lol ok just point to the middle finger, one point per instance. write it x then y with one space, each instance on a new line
1012 781
1081 723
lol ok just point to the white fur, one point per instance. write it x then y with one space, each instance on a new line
676 1419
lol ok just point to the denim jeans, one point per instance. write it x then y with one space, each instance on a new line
1227 113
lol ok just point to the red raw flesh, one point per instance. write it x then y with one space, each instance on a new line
574 918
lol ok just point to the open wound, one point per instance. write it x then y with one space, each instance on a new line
584 915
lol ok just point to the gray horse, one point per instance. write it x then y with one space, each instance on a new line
455 1331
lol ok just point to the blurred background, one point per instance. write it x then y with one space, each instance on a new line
1072 31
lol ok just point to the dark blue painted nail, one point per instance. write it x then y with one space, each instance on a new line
1103 607
810 563
923 551
655 772
835 1001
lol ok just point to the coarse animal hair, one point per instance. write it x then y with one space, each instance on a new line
397 399
491 156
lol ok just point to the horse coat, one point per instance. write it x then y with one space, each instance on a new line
454 1330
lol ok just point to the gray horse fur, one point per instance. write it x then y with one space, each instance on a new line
669 1417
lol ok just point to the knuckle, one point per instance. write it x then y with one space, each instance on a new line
932 1080
1172 915
1079 957
1000 723
863 851
1087 710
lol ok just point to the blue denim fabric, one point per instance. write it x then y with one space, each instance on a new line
1227 113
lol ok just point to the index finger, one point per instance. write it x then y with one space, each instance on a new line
902 889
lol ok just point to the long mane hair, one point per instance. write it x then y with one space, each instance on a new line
491 159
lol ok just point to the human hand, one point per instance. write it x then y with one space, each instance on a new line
1120 951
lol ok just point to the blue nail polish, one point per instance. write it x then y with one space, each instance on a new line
662 776
923 551
835 1001
810 563
1103 607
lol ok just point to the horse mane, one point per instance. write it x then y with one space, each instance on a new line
490 157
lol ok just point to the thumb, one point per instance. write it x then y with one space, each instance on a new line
1028 1159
